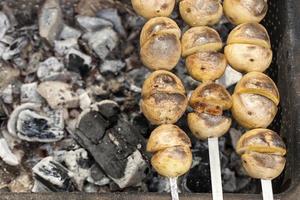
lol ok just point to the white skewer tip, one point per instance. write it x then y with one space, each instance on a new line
174 188
215 168
267 190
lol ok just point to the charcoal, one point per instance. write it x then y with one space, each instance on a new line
7 94
112 66
23 183
69 32
91 24
6 154
50 21
97 176
229 180
116 151
102 41
78 163
112 15
199 182
49 69
15 48
53 175
29 93
58 94
84 100
4 24
63 46
36 128
108 109
78 62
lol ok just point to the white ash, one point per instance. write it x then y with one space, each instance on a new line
33 127
136 166
72 160
235 136
12 121
69 32
6 154
102 41
4 24
50 68
58 94
29 93
112 66
7 94
22 183
39 187
62 47
112 15
230 77
91 24
229 178
84 101
50 20
90 188
52 174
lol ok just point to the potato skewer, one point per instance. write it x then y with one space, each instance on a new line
255 102
262 152
204 62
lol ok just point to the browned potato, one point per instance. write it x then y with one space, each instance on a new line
163 98
171 147
200 39
160 44
210 98
153 8
248 48
243 11
262 152
208 101
205 126
200 46
206 66
201 12
255 101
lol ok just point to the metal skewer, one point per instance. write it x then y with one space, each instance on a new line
215 168
174 188
267 190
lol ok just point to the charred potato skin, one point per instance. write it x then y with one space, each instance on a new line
201 12
243 11
153 8
209 101
160 44
171 148
249 48
262 152
163 98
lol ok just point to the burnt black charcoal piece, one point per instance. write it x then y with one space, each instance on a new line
198 179
53 175
77 64
94 125
109 109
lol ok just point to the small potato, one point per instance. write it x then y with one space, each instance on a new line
160 44
262 152
258 83
252 110
153 8
163 98
205 126
243 11
166 136
201 12
173 161
210 98
248 57
200 39
206 66
250 33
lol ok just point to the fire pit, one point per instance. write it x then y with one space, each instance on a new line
70 91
